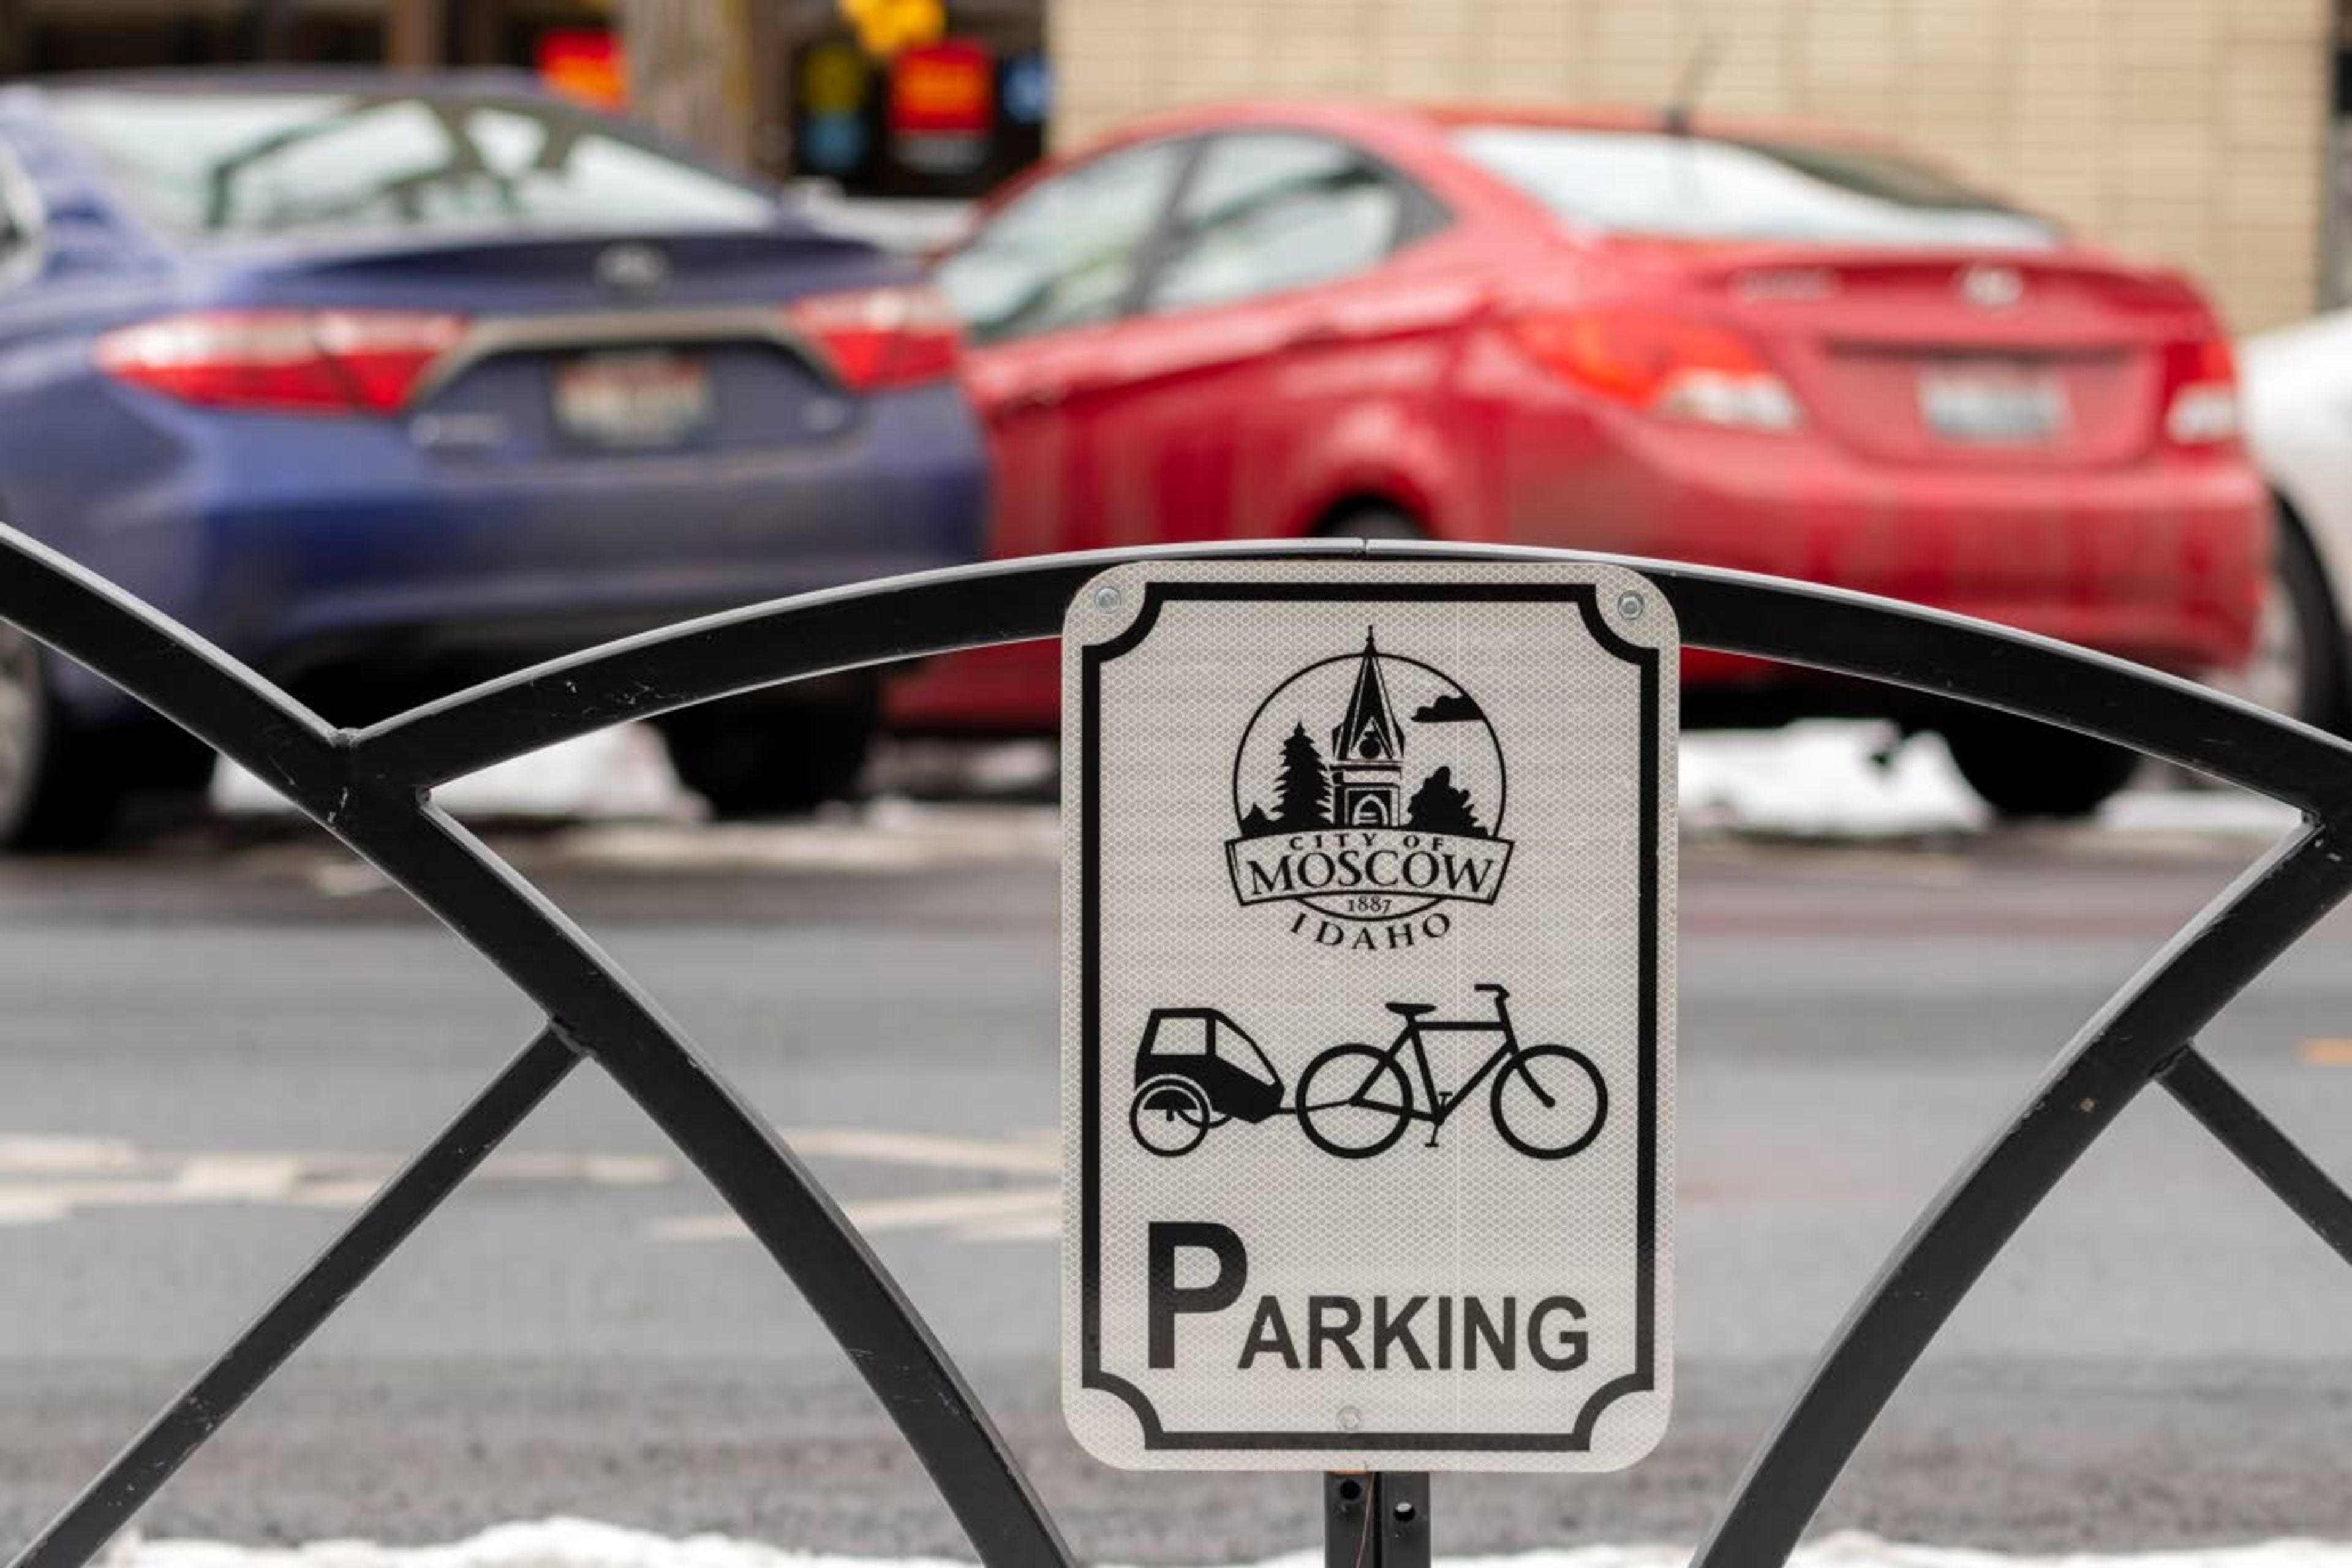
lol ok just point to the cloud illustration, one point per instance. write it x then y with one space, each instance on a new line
1453 708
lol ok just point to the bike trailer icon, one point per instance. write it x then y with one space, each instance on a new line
1198 1069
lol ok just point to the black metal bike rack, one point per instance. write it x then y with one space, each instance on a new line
371 788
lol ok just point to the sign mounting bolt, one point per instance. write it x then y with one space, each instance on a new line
1630 605
1350 1418
1107 597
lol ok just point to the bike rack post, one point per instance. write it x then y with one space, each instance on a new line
1376 1519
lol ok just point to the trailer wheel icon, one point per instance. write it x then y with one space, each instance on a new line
1197 1070
1170 1116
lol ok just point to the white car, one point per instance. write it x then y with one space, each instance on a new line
2297 387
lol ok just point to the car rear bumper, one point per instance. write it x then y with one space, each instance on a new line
2164 562
371 557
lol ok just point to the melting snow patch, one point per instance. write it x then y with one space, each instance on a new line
581 1543
1825 780
621 771
1821 779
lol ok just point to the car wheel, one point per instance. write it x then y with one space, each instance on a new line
56 791
750 758
2026 769
2296 668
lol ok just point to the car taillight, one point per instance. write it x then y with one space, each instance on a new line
290 362
880 338
1668 365
2200 394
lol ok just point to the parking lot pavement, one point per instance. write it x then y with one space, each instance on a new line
214 1047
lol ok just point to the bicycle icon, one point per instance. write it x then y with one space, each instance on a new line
1197 1070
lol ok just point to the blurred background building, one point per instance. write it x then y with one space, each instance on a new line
2216 135
2194 131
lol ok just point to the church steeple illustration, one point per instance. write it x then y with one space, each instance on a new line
1367 748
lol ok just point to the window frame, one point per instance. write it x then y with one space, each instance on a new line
136 199
1420 214
1188 147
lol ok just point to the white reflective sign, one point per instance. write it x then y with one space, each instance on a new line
1367 1016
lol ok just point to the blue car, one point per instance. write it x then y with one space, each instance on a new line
386 383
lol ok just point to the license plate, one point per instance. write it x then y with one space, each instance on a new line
1993 404
641 397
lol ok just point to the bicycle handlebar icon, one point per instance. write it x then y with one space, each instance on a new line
1197 1070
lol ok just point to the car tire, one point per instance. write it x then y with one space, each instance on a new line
750 758
2297 667
58 790
2024 769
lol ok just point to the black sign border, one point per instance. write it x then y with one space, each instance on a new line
1157 594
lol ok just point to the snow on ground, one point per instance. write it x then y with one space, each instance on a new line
1825 779
579 1543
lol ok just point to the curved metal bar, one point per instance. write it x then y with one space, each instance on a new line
367 789
2132 1039
168 667
2292 1175
602 1013
309 1300
786 639
938 612
586 997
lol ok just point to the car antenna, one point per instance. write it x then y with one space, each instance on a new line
1675 120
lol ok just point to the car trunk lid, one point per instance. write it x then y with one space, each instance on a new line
2003 358
607 344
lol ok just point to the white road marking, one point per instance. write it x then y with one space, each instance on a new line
986 1213
43 1153
1037 1155
1003 1214
45 1180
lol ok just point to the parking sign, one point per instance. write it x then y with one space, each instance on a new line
1367 1026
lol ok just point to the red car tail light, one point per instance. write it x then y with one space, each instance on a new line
289 362
882 338
1668 365
2200 394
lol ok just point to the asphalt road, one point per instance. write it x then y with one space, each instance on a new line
209 1050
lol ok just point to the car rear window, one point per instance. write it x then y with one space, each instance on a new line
233 165
1715 187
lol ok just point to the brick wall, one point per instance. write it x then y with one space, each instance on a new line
2187 131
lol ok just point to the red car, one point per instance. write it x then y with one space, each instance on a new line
1793 353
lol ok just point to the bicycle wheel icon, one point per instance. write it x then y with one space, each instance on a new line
1551 1102
1354 1101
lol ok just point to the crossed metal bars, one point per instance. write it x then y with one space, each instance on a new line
372 787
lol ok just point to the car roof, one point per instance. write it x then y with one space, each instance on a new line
503 80
1415 131
1364 114
1628 116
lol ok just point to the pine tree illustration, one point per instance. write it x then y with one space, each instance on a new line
1257 823
1303 794
1438 807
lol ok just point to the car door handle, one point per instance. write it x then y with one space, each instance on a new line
1316 335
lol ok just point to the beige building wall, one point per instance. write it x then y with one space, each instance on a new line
2189 131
